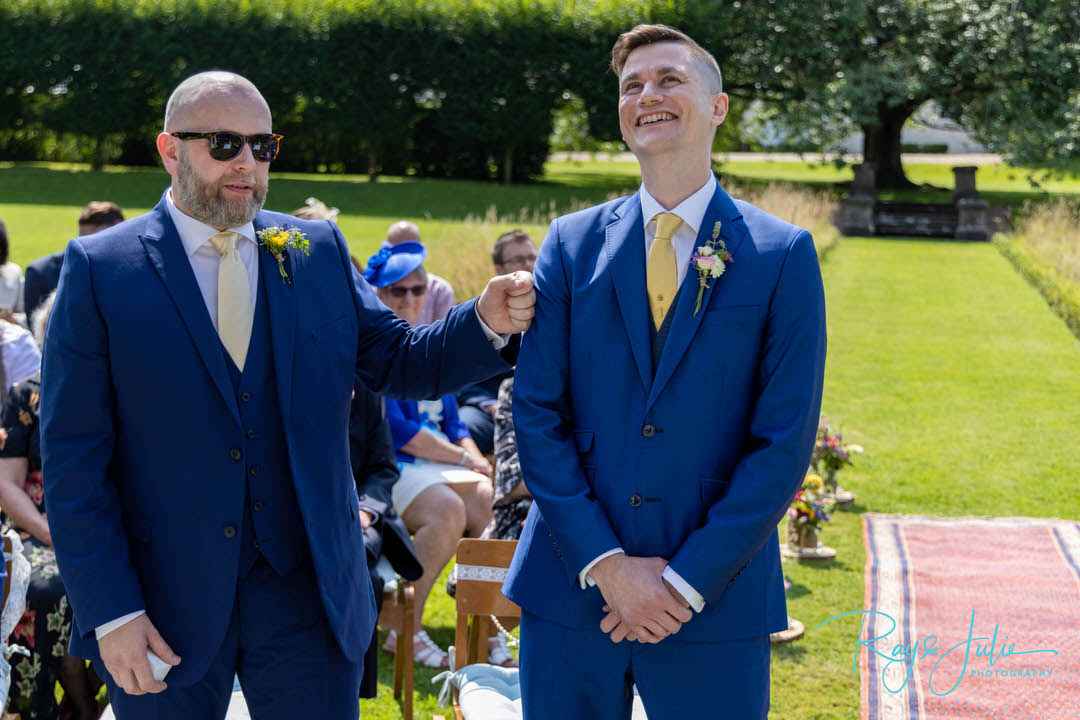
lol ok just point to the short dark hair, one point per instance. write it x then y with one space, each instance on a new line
101 212
507 238
3 244
642 35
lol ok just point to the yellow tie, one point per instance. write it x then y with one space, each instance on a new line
234 311
661 276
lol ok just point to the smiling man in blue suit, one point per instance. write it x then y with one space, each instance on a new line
666 402
195 410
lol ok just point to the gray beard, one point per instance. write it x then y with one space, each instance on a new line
209 204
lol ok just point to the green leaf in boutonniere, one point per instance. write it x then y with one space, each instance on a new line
277 240
710 260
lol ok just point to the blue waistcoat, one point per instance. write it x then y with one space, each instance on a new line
272 522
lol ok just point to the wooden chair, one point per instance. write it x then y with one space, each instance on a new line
481 568
398 614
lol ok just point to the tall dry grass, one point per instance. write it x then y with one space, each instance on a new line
461 251
1051 231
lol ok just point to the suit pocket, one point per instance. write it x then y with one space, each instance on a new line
583 440
731 314
330 329
712 489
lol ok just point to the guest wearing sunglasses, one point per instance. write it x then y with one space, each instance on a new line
194 429
444 491
440 294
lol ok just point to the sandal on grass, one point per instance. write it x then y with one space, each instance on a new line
425 651
499 652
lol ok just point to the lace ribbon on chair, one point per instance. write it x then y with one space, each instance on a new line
480 572
12 611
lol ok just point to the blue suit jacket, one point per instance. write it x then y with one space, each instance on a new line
696 463
139 416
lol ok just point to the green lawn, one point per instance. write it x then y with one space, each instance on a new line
952 372
963 388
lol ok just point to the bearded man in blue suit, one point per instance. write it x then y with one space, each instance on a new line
195 412
666 402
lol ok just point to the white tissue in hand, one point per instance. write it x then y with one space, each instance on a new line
158 667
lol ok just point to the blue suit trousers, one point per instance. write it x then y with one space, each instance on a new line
281 646
582 675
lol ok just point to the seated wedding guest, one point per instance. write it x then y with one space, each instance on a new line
513 251
440 295
11 284
19 356
45 627
444 491
43 274
374 466
511 500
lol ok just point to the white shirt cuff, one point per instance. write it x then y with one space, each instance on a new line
692 596
497 341
103 630
585 578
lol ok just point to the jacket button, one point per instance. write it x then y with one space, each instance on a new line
251 434
635 500
244 397
229 532
255 544
254 470
235 454
648 431
257 506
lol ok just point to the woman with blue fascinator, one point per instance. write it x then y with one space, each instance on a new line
444 492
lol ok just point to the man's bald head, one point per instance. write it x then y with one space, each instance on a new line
212 88
403 231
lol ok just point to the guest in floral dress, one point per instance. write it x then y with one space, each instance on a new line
45 627
512 499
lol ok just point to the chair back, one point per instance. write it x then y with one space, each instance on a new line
480 570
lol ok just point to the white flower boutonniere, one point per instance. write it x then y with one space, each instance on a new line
710 260
276 240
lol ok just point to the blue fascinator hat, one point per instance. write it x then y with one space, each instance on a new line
393 263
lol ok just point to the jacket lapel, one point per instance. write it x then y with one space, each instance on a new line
166 253
281 306
684 323
626 259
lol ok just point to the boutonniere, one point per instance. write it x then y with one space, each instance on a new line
710 261
277 240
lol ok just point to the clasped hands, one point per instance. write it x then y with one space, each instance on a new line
640 604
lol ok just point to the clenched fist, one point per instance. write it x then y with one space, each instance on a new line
507 304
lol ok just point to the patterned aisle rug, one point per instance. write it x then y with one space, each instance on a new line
1011 585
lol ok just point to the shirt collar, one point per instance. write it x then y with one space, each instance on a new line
691 210
195 233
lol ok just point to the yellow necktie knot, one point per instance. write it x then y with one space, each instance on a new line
661 274
225 242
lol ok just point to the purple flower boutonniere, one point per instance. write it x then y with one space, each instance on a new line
710 260
276 240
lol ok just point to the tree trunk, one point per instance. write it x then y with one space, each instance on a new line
881 145
97 160
373 165
508 165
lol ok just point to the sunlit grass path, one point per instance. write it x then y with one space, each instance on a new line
965 390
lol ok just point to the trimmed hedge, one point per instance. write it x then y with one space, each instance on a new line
457 88
1062 296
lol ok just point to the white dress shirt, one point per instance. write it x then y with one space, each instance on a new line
692 211
205 261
